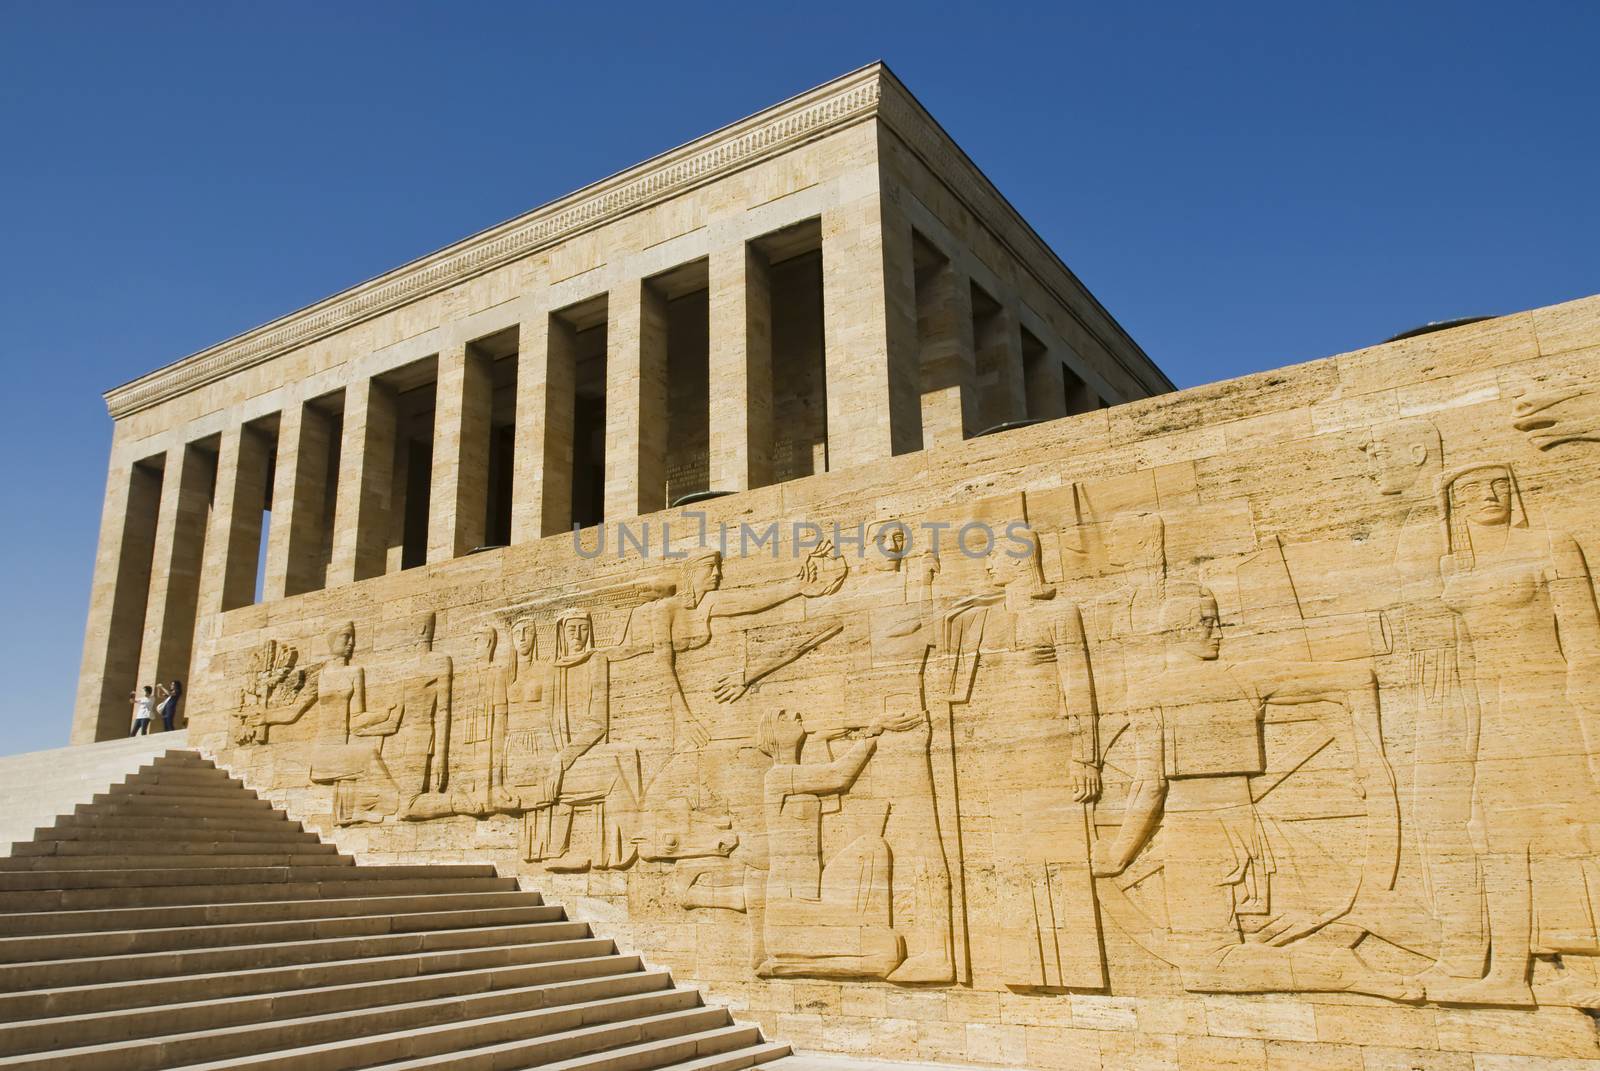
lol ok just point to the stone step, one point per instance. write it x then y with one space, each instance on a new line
202 846
727 1048
128 942
272 822
159 992
589 1041
252 911
86 899
163 803
108 1027
320 870
264 857
617 996
95 970
198 793
183 775
539 1036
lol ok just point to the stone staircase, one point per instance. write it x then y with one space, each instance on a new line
178 921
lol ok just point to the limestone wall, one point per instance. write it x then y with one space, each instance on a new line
1280 753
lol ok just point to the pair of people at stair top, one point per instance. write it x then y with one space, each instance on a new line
162 698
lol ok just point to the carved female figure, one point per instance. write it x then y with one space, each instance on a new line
1525 616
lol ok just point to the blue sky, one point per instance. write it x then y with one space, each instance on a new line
1243 186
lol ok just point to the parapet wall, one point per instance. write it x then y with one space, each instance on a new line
1281 752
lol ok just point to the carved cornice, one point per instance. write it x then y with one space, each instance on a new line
832 106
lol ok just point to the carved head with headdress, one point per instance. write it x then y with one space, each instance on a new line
1021 559
890 542
699 573
1478 496
342 641
574 636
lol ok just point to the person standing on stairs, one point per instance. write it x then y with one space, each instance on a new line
143 707
167 707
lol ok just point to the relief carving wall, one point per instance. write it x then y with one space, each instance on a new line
1303 710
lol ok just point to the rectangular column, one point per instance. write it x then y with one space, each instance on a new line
949 369
1045 384
870 333
299 503
741 369
458 503
361 512
541 484
233 538
999 354
636 401
169 620
117 599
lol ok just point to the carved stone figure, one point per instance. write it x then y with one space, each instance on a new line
1034 650
1405 458
833 920
482 739
421 740
1198 735
675 823
585 771
347 752
1524 607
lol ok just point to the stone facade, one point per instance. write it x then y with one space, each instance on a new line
1249 726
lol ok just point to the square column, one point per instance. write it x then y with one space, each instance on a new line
950 411
458 499
299 503
361 512
740 369
541 483
233 540
117 599
636 401
999 354
870 333
169 620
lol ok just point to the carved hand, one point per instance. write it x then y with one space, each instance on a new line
899 723
822 573
692 728
1085 783
1289 926
730 688
1103 862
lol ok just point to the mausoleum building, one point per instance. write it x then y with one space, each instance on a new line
775 554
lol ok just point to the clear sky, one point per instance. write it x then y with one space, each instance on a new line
1242 186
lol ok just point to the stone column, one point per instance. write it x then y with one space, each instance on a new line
299 503
361 512
117 599
169 619
541 484
999 354
233 537
458 500
740 369
870 332
947 356
1045 384
636 401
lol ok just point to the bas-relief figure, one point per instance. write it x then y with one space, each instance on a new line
419 743
849 865
1524 609
584 771
1199 761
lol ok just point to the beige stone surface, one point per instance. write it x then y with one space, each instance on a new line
1247 726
